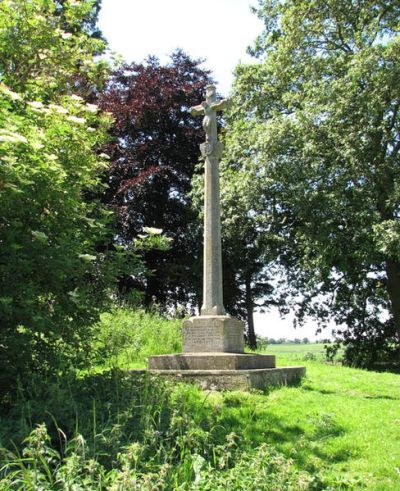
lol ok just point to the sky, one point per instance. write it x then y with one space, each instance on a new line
218 31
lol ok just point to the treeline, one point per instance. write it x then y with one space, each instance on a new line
288 341
101 185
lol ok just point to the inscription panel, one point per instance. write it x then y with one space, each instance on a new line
213 334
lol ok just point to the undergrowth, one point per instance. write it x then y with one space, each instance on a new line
108 429
125 337
113 431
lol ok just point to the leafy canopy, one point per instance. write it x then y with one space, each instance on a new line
320 109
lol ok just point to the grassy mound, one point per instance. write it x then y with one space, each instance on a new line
340 429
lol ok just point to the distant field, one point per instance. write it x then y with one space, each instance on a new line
296 348
311 351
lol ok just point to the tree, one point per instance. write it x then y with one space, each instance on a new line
321 110
47 47
153 156
54 278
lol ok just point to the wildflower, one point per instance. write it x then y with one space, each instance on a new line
58 109
35 104
92 108
75 119
10 137
152 230
12 95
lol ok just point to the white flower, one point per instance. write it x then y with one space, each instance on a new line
91 130
58 109
66 35
104 156
10 137
36 145
12 95
75 119
35 104
76 97
152 230
92 108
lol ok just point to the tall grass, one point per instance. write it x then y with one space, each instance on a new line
113 431
105 429
126 338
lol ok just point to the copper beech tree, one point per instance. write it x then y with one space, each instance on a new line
154 152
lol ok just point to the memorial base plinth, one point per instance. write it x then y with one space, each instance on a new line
245 380
211 361
213 357
212 333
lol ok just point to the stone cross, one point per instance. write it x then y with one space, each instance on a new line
211 150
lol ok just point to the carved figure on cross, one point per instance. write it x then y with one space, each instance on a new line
209 108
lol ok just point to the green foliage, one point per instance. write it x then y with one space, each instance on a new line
47 48
320 124
57 268
117 431
126 337
53 279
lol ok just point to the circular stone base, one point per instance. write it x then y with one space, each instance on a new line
234 379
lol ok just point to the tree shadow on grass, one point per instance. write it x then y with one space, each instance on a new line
303 440
382 397
320 391
114 409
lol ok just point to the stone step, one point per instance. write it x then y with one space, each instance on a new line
246 380
211 361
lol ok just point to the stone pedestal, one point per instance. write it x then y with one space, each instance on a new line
234 379
213 357
211 361
207 333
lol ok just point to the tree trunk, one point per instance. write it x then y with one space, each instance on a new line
393 287
249 310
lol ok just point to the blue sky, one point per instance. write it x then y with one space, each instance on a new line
218 31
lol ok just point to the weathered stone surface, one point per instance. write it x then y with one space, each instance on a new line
234 379
219 333
211 361
211 150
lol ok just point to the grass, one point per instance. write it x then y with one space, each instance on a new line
126 338
341 424
339 429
